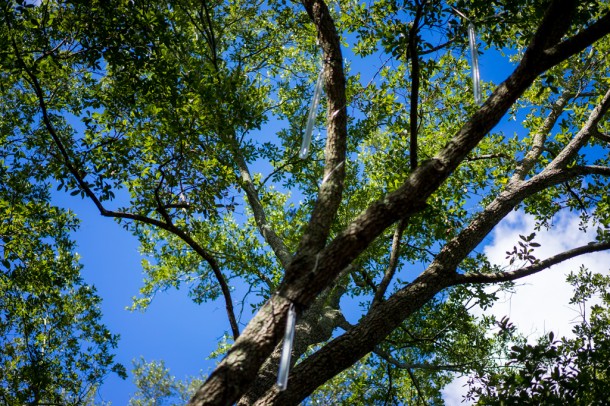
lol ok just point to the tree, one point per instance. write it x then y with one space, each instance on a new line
160 113
53 348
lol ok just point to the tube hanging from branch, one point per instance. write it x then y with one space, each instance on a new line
474 58
284 369
311 118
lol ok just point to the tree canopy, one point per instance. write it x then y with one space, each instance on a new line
182 120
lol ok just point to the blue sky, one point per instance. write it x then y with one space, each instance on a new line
183 334
173 328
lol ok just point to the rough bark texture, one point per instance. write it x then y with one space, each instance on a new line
347 349
316 326
235 373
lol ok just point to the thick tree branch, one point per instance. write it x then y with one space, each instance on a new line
314 327
534 268
386 315
237 370
331 190
348 348
583 39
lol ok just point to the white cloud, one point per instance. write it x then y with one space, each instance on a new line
540 302
453 394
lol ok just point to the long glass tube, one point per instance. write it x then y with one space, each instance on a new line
282 375
474 57
311 118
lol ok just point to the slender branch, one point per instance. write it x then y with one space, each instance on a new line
210 33
367 280
268 233
601 136
160 208
414 102
390 384
426 250
487 156
534 268
438 47
576 197
425 366
590 170
184 205
392 265
50 52
280 168
586 132
539 138
416 384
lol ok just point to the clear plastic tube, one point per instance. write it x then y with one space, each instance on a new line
282 374
311 118
474 57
